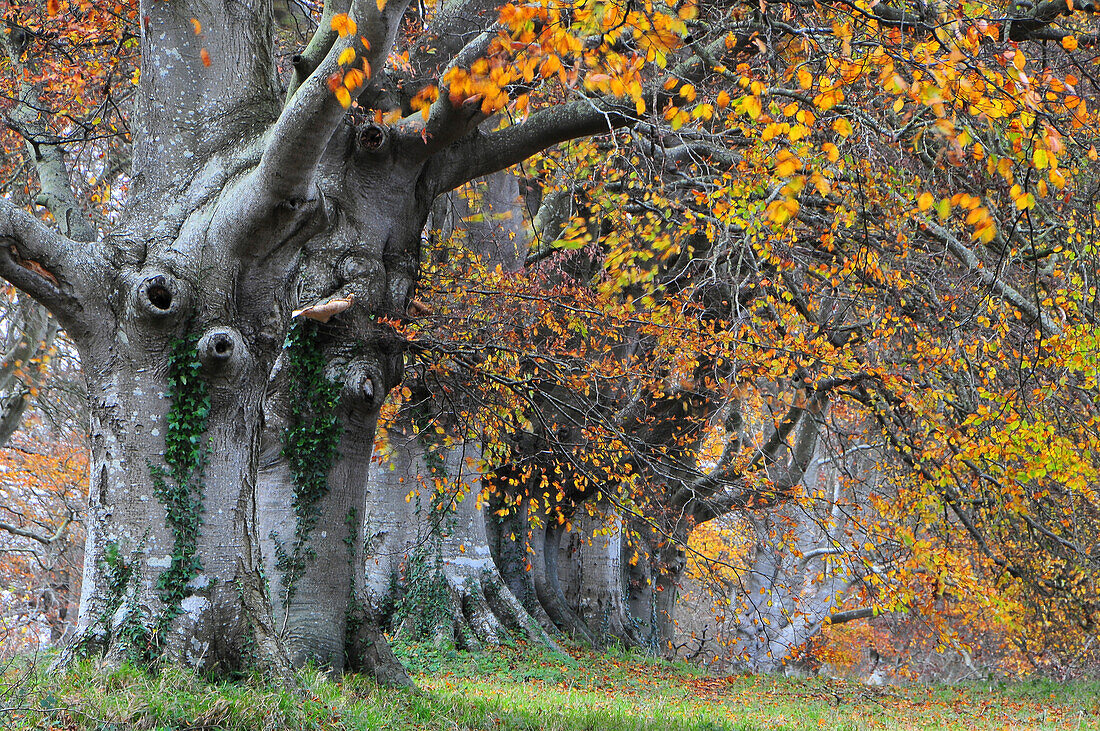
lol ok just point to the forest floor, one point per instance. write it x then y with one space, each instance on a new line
516 689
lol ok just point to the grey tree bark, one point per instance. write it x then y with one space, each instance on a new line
592 572
429 561
245 204
805 556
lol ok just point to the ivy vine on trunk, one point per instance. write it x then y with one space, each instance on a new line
310 443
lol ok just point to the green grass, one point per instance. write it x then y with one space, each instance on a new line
514 688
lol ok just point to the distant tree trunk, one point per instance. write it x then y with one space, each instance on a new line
593 576
510 544
429 562
545 539
29 336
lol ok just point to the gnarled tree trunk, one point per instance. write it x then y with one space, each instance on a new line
246 202
593 575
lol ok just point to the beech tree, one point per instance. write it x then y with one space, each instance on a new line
246 201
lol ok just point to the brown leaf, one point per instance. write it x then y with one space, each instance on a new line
324 311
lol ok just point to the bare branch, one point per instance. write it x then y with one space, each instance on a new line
1006 291
40 538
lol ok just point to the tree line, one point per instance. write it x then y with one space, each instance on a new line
747 250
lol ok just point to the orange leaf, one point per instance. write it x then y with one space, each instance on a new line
53 7
205 55
353 79
196 25
343 25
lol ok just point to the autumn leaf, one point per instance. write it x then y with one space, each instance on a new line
324 311
343 25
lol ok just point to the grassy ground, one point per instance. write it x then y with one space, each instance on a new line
513 689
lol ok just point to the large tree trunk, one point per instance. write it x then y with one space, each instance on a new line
656 565
545 537
317 453
172 555
593 576
244 203
509 530
429 562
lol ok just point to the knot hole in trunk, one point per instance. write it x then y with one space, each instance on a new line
159 296
222 351
371 137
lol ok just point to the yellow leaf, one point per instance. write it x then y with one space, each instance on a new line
842 127
346 56
752 106
1041 159
925 201
831 151
723 99
381 5
343 97
689 11
787 164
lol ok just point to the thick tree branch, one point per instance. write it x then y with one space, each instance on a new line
801 420
481 153
1033 26
49 158
448 121
40 262
306 62
850 615
301 135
